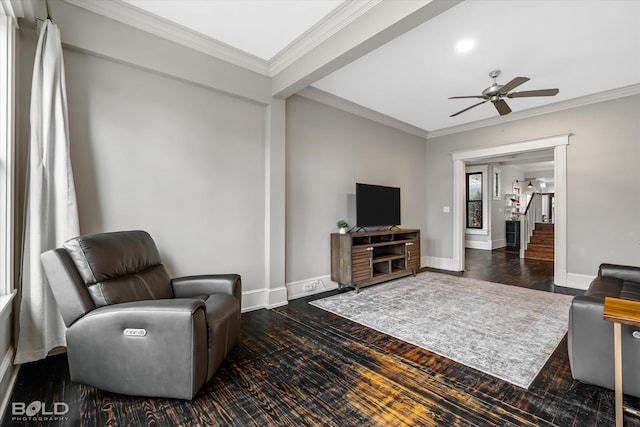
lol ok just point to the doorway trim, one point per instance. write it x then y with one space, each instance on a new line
559 144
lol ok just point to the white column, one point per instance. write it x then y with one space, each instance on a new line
458 214
560 235
274 242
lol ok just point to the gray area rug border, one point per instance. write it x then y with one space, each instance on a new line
536 321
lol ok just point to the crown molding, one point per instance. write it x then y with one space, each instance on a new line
608 95
353 108
19 9
334 101
6 9
130 15
338 19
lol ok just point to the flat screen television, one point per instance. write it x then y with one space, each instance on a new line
377 205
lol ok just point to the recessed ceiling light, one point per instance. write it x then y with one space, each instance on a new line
465 45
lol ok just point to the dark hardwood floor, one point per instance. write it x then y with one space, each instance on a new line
503 266
301 366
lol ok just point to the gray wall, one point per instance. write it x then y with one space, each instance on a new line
178 160
160 125
159 153
328 151
602 176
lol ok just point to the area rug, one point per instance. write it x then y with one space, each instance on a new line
505 331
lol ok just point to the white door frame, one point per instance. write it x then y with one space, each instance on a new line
559 144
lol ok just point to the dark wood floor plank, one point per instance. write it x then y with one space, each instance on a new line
301 366
436 366
413 377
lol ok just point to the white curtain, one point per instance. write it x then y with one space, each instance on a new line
51 208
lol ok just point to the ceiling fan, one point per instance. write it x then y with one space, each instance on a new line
495 93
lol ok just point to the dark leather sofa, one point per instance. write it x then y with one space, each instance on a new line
590 337
132 329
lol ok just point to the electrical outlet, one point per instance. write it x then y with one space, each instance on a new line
312 286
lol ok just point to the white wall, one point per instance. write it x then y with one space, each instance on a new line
481 238
602 174
328 151
493 234
509 175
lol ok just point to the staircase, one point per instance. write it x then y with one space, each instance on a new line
541 243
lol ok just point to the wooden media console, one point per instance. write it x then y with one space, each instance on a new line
361 259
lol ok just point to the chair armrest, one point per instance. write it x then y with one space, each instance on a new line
589 340
134 347
590 346
625 273
207 284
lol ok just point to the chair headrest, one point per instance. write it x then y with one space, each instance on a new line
105 256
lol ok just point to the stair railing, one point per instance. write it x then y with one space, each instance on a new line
531 216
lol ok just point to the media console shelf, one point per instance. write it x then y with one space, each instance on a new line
365 258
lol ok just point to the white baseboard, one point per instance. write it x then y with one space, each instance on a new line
276 297
499 243
253 300
264 298
477 244
8 377
315 285
439 263
311 286
579 281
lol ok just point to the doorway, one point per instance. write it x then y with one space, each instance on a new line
559 145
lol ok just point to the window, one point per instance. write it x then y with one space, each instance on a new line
497 184
7 64
474 200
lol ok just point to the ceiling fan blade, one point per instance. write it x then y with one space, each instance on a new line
502 107
471 96
540 92
468 108
514 84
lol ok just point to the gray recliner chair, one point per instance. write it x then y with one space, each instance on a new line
590 337
132 329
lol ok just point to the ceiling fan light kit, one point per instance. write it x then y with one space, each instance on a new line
496 94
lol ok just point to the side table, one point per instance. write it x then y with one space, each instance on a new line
620 311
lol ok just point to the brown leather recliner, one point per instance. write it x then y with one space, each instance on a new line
132 329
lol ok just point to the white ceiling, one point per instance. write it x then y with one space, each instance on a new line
580 47
258 27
